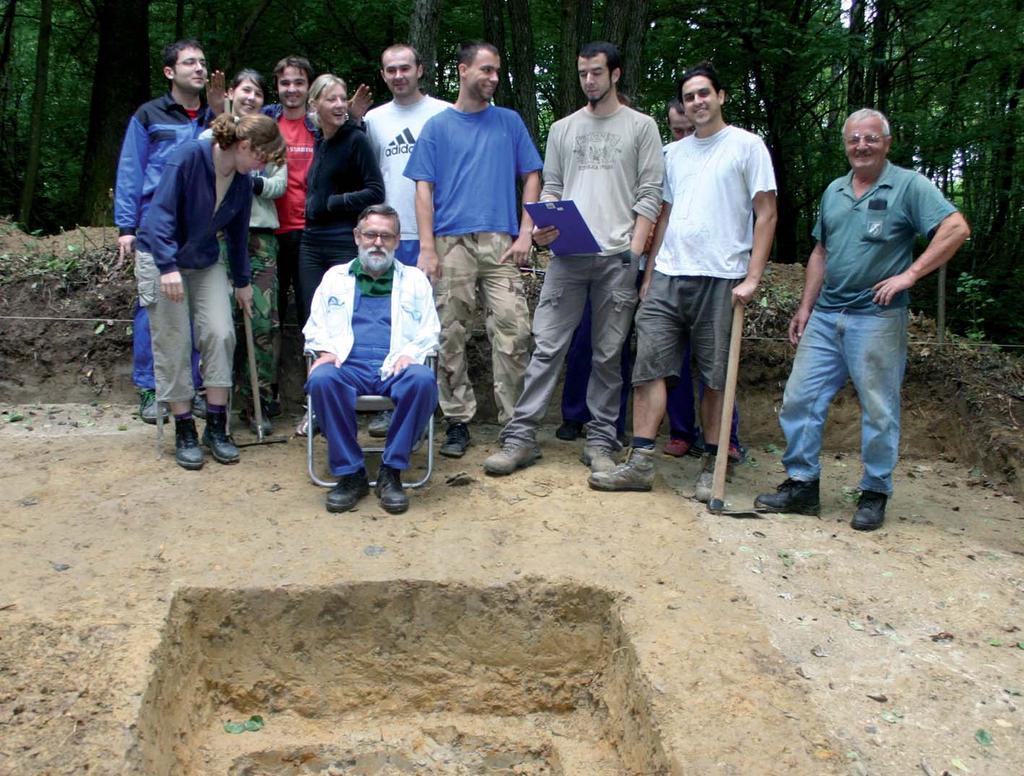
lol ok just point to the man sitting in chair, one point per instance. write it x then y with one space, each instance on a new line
371 325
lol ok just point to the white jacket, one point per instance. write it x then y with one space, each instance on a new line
415 326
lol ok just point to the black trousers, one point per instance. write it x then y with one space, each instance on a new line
317 254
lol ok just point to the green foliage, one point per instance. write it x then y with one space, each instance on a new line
949 75
976 299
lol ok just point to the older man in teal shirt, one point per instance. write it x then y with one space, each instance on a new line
852 318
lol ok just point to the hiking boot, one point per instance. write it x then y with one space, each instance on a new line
216 437
248 416
599 459
637 473
346 494
147 407
456 440
378 427
870 512
187 452
793 496
569 431
272 406
199 406
513 455
390 494
677 448
706 478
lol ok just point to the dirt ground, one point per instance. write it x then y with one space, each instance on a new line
140 604
781 645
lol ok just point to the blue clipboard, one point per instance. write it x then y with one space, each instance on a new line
574 235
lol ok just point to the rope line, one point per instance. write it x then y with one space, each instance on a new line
108 321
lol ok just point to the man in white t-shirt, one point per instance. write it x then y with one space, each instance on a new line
711 248
393 129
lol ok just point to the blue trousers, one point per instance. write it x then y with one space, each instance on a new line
870 349
681 415
142 354
333 391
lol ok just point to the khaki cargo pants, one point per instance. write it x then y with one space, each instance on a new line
471 266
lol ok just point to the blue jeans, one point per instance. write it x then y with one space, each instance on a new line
871 349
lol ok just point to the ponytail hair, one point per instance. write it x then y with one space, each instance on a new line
261 131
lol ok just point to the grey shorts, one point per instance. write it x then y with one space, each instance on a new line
682 311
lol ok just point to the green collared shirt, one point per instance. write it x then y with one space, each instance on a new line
368 284
871 237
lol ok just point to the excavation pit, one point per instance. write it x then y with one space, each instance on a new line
394 678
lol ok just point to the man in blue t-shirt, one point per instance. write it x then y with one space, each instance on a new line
472 240
852 318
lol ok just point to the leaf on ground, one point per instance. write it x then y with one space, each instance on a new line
773 449
995 643
251 725
983 737
14 417
786 558
855 625
892 717
956 762
254 723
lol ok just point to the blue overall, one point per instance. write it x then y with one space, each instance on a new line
333 391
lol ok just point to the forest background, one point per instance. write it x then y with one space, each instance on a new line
950 76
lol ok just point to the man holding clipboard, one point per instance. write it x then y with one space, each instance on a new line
607 159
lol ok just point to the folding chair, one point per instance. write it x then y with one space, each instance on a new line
370 403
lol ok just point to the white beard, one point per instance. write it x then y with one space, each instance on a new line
375 263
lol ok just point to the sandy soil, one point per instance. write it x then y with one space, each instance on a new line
784 645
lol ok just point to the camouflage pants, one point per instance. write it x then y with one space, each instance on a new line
266 326
471 265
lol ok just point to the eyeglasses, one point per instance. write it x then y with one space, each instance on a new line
372 237
854 140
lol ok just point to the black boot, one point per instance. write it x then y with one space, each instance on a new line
456 440
390 492
792 496
346 494
187 452
215 437
870 512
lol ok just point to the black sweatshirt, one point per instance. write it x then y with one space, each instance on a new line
343 180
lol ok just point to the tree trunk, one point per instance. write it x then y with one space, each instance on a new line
494 32
123 49
240 44
423 36
35 133
7 46
625 25
521 64
575 30
855 98
179 19
878 87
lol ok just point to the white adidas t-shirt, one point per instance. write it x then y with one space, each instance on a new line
393 130
711 183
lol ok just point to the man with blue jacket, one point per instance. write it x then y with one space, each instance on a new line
154 132
371 325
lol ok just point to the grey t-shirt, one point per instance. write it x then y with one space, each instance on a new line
870 238
611 167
